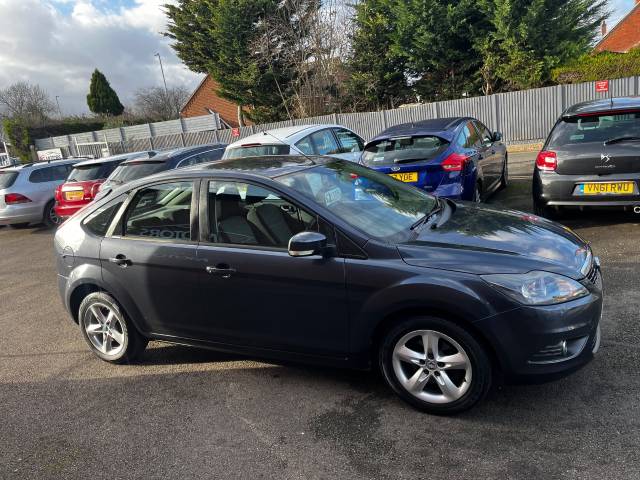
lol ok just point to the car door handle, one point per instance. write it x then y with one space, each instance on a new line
120 260
223 270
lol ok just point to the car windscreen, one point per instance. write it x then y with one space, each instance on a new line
7 179
595 128
403 150
257 150
372 202
128 172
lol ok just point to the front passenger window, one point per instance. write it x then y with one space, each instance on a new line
161 212
245 214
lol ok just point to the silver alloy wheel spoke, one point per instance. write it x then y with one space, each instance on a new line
427 375
117 336
105 329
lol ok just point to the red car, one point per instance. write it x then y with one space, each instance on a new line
84 181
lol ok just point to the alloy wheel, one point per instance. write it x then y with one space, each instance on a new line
53 218
432 366
105 329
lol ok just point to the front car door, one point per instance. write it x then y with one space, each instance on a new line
149 256
351 145
254 293
493 159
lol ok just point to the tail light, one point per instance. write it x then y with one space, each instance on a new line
57 195
15 198
94 190
547 161
455 162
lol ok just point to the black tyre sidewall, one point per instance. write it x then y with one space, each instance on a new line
46 219
481 365
134 342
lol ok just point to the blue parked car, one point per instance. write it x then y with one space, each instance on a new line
458 158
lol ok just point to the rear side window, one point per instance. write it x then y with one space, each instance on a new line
469 137
7 179
595 128
56 173
91 172
403 150
161 212
324 143
99 221
135 170
208 156
257 151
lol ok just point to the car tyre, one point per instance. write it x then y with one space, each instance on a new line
504 178
543 210
108 331
453 376
477 193
50 218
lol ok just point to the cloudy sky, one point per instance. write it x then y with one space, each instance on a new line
58 43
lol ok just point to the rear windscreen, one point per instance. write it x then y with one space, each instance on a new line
257 151
133 171
88 173
7 179
403 150
595 128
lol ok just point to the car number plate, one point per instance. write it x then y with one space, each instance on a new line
606 188
74 195
405 176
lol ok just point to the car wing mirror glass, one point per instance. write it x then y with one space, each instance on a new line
305 244
497 136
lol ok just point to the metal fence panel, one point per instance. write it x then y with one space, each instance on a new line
198 124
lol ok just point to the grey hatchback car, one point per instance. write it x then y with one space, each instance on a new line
27 192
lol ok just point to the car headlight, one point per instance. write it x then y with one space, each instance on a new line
537 288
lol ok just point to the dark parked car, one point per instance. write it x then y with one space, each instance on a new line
323 260
457 158
591 158
168 160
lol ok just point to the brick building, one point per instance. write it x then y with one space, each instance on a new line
204 100
624 36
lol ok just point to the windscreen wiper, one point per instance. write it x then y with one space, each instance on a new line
621 139
437 208
407 160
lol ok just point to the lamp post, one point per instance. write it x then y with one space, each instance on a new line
58 104
162 71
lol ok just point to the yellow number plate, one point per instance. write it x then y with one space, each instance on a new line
405 176
74 195
607 188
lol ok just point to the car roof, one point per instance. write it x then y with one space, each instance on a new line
602 105
39 165
177 153
113 158
282 136
441 127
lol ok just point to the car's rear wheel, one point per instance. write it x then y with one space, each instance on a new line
108 332
51 218
545 211
504 178
435 365
477 193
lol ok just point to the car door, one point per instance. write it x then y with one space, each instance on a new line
492 154
350 144
321 142
254 293
150 257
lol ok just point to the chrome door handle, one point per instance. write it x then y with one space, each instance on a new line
223 271
120 260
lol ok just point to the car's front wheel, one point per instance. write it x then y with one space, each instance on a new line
435 365
108 332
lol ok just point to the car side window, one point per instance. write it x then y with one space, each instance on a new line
349 141
485 135
50 174
305 145
324 143
99 221
161 212
469 137
246 214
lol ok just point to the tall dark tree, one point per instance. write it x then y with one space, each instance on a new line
102 99
215 37
377 72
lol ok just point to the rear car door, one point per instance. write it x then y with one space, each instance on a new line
253 292
150 256
321 142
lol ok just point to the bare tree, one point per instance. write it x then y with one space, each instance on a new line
156 104
310 39
26 102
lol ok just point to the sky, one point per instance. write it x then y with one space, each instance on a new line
58 43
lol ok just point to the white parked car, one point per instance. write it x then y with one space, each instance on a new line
331 140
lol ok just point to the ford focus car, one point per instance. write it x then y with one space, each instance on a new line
591 158
326 261
457 158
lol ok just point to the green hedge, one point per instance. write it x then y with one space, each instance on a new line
19 138
599 66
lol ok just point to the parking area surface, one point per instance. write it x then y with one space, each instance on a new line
188 413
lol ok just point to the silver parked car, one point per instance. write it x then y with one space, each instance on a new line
27 192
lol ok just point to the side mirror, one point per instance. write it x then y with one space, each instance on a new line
305 244
497 136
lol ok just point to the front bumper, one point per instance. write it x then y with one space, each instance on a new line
542 343
552 189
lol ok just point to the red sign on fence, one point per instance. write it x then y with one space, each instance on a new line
235 132
602 86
